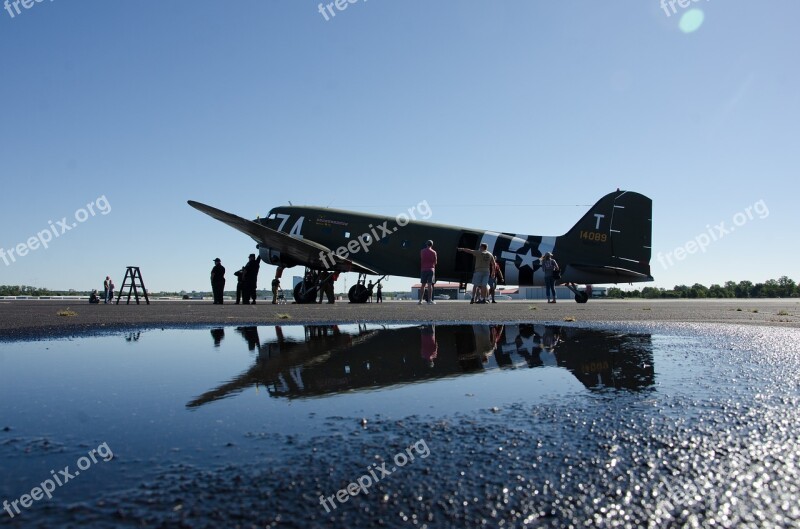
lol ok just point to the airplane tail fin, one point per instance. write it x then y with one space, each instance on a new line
617 232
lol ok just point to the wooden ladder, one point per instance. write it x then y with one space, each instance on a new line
132 274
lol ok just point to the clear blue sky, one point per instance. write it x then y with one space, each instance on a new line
541 106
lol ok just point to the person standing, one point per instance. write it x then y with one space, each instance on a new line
369 291
218 281
324 279
379 296
110 297
251 279
549 265
106 283
496 278
276 285
330 287
428 259
484 267
239 284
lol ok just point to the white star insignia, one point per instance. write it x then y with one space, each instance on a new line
527 259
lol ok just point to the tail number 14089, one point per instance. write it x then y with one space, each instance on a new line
594 236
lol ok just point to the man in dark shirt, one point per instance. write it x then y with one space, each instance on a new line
218 281
239 284
250 279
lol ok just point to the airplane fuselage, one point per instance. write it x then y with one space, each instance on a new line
392 245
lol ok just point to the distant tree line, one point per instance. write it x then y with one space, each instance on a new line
773 288
22 290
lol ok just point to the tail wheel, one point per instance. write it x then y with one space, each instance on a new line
358 294
581 297
305 292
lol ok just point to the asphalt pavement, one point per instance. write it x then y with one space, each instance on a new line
45 319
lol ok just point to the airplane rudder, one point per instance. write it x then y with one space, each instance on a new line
632 227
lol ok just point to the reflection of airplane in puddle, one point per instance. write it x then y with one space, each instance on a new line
283 360
598 359
330 360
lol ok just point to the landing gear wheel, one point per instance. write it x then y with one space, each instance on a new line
581 297
358 294
305 292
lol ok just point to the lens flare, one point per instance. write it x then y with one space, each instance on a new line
692 20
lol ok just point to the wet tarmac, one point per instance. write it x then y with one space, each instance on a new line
435 425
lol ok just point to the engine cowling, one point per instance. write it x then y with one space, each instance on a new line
274 257
270 256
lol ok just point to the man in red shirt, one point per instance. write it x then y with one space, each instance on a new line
496 277
428 260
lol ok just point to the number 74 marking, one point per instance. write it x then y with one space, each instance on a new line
298 226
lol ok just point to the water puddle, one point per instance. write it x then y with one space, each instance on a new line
128 409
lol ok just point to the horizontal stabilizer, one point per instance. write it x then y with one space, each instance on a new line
303 251
577 273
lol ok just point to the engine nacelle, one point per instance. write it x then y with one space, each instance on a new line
270 256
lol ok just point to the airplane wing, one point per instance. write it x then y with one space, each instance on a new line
303 251
289 356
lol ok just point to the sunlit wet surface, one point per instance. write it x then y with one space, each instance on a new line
522 424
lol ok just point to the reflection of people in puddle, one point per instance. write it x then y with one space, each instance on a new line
484 342
550 338
274 348
527 344
474 348
250 334
502 357
429 349
218 335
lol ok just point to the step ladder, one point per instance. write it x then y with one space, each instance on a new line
132 274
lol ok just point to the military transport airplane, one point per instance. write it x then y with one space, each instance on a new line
609 244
